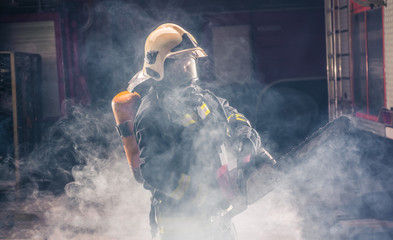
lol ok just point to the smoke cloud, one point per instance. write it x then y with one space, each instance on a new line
329 178
101 199
335 176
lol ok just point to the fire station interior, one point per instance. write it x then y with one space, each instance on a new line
283 63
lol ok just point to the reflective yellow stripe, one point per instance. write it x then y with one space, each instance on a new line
182 187
203 111
238 116
189 119
207 111
241 118
192 118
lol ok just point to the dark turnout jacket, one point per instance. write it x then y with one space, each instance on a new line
179 133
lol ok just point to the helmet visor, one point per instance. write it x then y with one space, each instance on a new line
181 68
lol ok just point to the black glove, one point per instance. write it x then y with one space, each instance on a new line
248 140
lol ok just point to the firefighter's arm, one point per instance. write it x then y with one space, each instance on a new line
246 138
240 129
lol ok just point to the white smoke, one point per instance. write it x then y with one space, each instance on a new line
103 201
333 177
330 176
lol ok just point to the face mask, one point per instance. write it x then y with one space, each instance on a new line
181 69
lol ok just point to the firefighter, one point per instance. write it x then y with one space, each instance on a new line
180 129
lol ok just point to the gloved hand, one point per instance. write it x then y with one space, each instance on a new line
247 143
245 149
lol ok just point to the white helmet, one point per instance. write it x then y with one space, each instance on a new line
167 41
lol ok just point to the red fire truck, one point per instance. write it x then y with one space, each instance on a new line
359 56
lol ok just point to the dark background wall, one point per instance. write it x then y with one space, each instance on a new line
266 57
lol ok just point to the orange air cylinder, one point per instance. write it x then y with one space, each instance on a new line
124 106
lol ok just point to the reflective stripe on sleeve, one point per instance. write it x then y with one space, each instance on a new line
239 117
